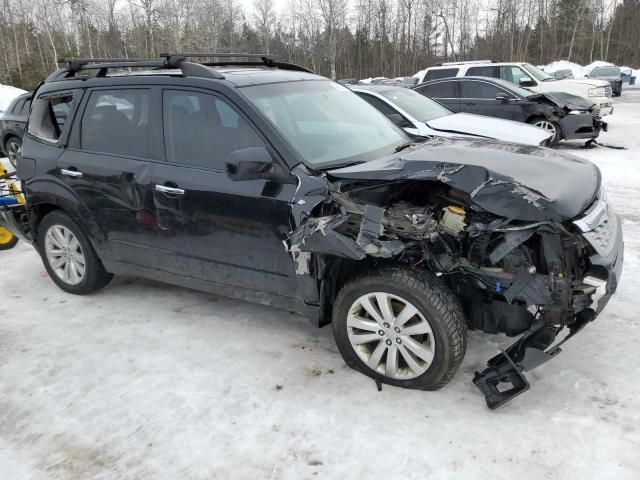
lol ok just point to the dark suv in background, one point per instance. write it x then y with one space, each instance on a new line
611 74
262 181
12 124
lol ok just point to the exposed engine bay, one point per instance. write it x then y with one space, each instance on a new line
531 273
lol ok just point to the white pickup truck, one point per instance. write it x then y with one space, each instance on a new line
528 76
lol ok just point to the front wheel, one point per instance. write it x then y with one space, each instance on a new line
68 255
7 239
401 326
552 127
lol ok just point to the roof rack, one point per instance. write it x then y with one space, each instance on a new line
254 59
169 61
470 62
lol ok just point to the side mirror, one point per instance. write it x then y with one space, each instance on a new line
252 163
502 97
399 120
526 82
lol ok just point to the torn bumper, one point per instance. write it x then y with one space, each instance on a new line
582 125
504 379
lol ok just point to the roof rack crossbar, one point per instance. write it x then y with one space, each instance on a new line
265 60
171 61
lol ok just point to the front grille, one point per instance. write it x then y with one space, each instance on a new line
607 91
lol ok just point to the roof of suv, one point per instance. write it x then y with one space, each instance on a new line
258 70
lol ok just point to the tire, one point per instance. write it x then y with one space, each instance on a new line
55 245
12 147
444 340
551 127
7 239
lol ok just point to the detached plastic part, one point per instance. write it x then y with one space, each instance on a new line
504 372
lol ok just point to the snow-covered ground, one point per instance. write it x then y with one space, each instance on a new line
147 381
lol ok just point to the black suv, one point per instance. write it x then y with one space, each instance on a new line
262 181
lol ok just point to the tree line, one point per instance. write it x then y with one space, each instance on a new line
336 38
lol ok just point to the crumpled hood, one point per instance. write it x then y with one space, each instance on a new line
565 100
489 127
513 181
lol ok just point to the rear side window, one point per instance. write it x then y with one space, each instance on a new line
49 115
440 90
486 71
25 107
17 106
116 122
201 130
441 73
471 89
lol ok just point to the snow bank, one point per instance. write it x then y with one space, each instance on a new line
8 93
576 69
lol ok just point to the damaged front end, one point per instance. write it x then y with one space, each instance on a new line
524 258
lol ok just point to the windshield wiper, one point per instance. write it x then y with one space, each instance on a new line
403 146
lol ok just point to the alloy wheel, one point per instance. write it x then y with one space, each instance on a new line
64 254
547 126
390 335
14 149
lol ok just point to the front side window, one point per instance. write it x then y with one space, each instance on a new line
440 73
470 89
201 130
513 74
17 106
49 116
378 104
116 122
325 122
418 106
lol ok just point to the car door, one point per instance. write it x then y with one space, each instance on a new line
108 166
480 98
444 91
235 229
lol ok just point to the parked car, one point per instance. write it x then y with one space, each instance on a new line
12 124
421 116
278 186
563 115
527 76
609 74
563 73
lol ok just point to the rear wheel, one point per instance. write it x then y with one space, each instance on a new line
7 239
401 326
13 149
68 256
552 127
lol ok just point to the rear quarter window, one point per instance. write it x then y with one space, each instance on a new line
441 73
49 116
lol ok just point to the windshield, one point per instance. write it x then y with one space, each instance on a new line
605 72
537 73
325 122
418 106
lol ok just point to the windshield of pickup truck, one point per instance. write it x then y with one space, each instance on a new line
538 74
325 122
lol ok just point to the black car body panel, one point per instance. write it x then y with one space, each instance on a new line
14 119
576 116
496 221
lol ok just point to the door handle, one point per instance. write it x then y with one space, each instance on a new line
169 190
71 173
